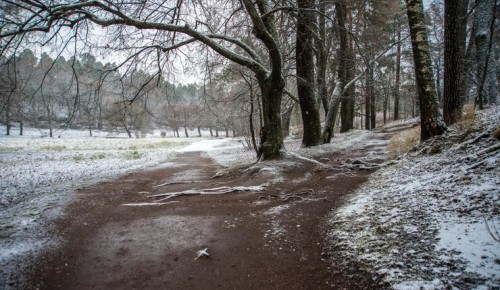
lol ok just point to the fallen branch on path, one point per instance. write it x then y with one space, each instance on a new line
209 191
289 196
148 203
361 165
173 183
322 165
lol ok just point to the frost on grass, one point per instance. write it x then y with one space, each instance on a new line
36 173
431 220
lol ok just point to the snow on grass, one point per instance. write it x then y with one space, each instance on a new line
36 173
431 220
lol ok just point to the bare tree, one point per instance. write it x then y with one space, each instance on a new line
154 31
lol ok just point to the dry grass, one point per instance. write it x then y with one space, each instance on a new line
468 118
403 142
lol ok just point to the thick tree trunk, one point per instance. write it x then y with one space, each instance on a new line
454 50
486 67
304 49
431 121
186 132
271 135
271 83
345 56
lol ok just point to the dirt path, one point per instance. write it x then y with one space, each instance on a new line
266 240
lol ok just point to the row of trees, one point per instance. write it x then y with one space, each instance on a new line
263 57
84 93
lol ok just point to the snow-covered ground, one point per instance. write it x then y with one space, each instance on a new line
37 172
430 221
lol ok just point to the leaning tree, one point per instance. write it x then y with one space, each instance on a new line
151 32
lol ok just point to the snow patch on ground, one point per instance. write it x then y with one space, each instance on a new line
431 220
36 173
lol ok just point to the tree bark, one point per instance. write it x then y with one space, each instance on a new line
431 121
347 101
322 49
369 99
455 14
287 116
304 55
398 73
486 67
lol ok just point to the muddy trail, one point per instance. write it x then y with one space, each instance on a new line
116 234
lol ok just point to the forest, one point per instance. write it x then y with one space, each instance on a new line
312 144
325 64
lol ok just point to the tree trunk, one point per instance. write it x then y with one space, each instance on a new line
199 131
7 115
271 83
486 67
21 128
373 113
250 121
398 73
455 22
285 120
322 49
271 136
186 132
386 98
211 132
369 98
304 49
431 121
345 56
333 108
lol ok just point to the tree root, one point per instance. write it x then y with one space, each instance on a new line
208 191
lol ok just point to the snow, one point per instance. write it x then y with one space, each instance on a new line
431 220
37 172
428 221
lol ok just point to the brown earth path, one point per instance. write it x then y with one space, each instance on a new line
255 240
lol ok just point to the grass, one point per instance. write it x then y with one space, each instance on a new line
133 155
11 149
468 117
53 148
403 142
